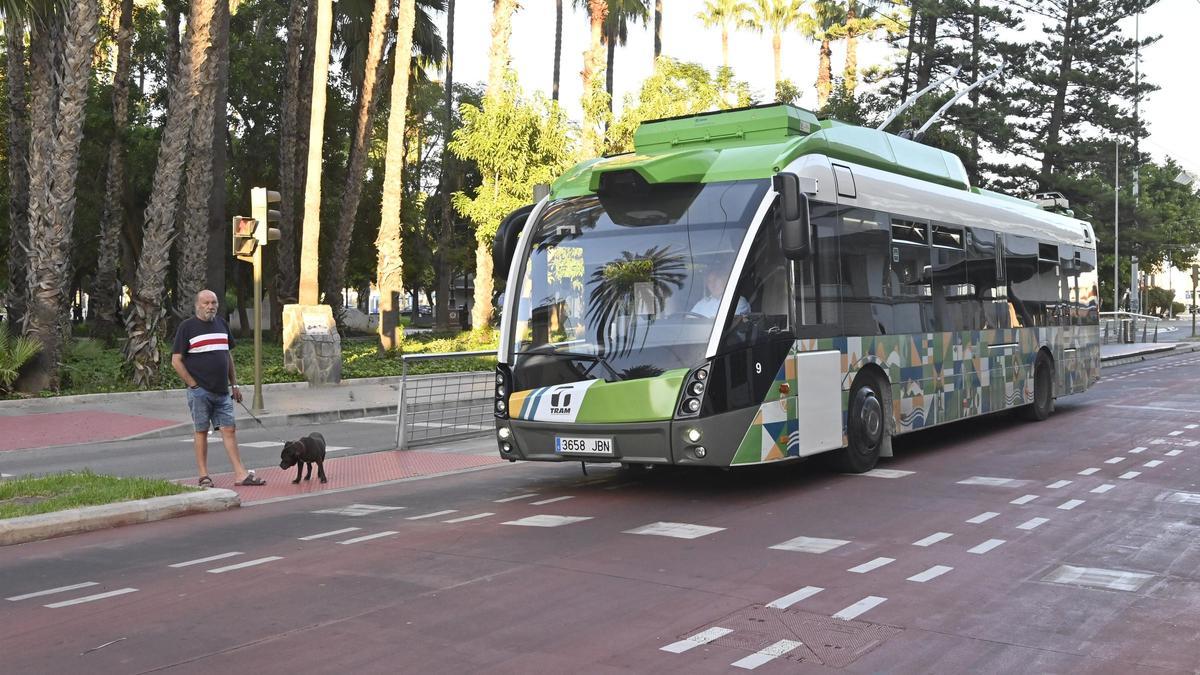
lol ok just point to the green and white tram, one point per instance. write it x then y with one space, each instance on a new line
757 285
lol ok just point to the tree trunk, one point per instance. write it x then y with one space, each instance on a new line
356 169
775 50
143 320
18 173
610 58
973 167
593 58
557 46
286 279
481 310
303 118
312 187
908 54
658 9
172 21
929 22
724 46
824 75
389 274
502 13
1050 158
441 313
218 221
850 72
47 314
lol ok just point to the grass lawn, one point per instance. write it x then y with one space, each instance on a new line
60 491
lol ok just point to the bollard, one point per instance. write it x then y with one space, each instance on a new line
400 405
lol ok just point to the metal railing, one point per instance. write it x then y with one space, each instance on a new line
444 406
1127 327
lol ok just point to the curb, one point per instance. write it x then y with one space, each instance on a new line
74 521
1145 355
273 421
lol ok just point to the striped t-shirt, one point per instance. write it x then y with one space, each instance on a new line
205 348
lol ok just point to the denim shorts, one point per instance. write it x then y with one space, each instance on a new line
209 408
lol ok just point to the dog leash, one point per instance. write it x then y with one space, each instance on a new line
260 423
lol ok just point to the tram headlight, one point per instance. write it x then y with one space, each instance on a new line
692 405
506 447
701 375
501 407
697 388
504 433
693 435
499 378
700 452
500 392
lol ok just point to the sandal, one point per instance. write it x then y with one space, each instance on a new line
205 481
251 479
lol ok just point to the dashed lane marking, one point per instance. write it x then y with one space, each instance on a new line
1114 460
514 498
1088 472
1173 453
63 589
993 481
810 545
464 519
1024 499
1191 426
369 537
1058 484
1070 504
1138 450
1175 433
1116 580
547 521
931 573
677 530
983 517
551 500
932 539
435 514
794 597
860 607
1103 488
872 565
243 565
219 556
357 510
767 654
1033 523
331 533
91 598
1177 497
1130 475
701 638
884 473
986 546
1152 463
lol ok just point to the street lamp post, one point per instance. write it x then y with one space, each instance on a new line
1117 229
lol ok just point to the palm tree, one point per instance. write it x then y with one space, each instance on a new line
616 32
777 16
311 235
286 279
18 173
104 290
657 29
54 167
442 317
728 15
498 56
558 17
593 58
825 24
390 243
143 320
862 18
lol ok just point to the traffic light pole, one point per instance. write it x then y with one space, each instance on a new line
258 395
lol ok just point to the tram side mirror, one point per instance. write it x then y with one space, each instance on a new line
793 215
504 247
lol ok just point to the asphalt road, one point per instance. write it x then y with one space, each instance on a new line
996 545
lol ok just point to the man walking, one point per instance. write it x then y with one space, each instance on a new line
202 359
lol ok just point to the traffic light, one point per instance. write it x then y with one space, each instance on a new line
261 200
245 238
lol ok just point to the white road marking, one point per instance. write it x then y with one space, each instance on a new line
1152 407
1130 475
932 539
986 546
369 537
810 545
1178 497
701 638
1192 444
1138 450
547 521
248 563
1070 504
1114 460
1058 484
210 558
276 444
1033 523
860 607
1152 463
794 597
989 480
331 533
1173 453
513 499
432 515
91 598
983 517
552 500
1103 488
359 510
767 654
6 475
677 530
374 420
931 573
1191 426
464 519
884 473
1116 580
63 589
1024 500
1088 472
1175 433
874 564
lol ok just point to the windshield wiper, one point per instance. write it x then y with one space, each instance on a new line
549 350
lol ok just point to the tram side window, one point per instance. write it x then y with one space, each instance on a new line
1026 300
909 281
764 287
1087 292
985 298
948 276
816 277
864 262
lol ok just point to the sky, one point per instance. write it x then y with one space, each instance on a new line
1170 63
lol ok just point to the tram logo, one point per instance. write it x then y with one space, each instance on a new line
560 401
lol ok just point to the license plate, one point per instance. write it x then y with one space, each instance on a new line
574 445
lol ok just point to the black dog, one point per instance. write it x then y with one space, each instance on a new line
305 451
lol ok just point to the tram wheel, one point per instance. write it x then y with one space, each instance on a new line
866 426
1043 389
